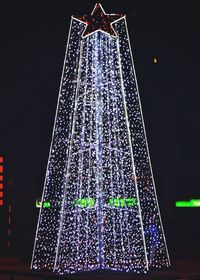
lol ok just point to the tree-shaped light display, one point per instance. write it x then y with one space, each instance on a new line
99 183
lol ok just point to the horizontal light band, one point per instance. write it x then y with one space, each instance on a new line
112 202
188 203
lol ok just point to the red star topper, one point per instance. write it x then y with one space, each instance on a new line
99 20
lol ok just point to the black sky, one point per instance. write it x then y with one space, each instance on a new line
33 41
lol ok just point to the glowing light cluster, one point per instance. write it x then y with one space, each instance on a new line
45 204
99 182
85 202
122 202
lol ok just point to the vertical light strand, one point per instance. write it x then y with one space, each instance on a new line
115 150
90 147
108 101
81 156
99 147
121 164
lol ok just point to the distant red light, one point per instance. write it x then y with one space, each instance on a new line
1 179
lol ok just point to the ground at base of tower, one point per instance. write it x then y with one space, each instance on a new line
179 270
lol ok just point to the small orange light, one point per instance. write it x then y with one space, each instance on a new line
1 202
1 186
1 169
1 159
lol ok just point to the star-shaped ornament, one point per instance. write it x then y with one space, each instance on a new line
99 20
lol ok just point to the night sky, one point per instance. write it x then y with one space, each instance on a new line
33 42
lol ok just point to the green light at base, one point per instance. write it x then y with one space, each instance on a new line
46 204
112 202
122 202
84 202
188 203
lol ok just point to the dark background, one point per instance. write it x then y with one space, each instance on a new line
33 42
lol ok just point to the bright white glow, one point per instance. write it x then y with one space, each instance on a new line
99 151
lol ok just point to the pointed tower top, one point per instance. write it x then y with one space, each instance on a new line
99 20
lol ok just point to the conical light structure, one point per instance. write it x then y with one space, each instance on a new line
103 212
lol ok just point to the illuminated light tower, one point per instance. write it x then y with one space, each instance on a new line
99 183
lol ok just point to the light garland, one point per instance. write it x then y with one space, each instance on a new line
104 212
